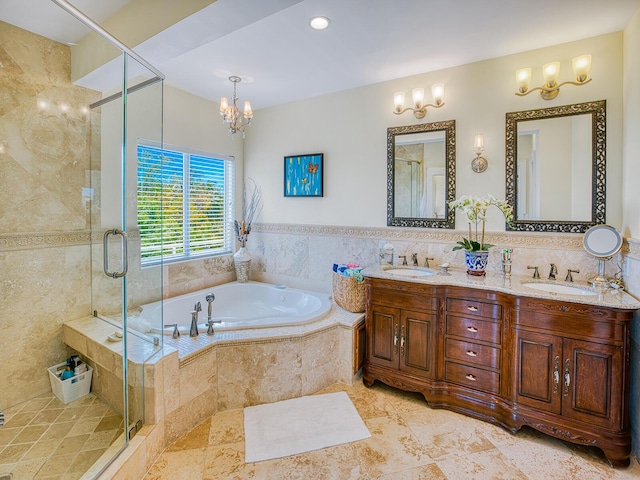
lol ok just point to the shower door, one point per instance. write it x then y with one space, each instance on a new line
118 283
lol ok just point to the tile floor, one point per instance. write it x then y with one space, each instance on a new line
409 441
45 439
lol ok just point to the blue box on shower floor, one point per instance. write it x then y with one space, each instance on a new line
72 388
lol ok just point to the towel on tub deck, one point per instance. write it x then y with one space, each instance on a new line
300 425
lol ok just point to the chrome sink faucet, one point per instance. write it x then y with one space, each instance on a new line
414 259
553 271
536 273
569 277
426 262
404 259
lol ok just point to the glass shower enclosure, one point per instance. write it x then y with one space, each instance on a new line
129 111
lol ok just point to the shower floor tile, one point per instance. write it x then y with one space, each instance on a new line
44 438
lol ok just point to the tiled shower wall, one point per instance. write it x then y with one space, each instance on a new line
44 244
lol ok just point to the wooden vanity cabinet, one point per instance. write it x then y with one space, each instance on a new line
401 322
572 373
559 367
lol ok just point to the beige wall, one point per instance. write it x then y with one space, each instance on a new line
350 129
631 151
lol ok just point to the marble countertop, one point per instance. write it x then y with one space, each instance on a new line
514 285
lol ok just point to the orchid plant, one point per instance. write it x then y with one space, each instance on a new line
475 208
250 211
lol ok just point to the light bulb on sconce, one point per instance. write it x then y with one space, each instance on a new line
417 94
479 164
550 72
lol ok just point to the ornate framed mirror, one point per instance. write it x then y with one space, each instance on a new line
556 167
421 175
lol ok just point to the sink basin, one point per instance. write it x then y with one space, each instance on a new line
410 272
560 288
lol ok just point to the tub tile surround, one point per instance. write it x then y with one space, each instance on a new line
190 379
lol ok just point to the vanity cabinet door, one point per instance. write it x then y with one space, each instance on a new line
593 383
539 370
383 336
417 343
577 379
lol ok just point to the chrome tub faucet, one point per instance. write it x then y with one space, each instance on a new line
209 298
193 332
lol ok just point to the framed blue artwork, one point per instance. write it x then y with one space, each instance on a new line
303 175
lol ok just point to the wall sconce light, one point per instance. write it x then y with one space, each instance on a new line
419 108
550 72
479 164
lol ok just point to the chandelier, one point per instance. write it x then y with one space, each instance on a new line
230 113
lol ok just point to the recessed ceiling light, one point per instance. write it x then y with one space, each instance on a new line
319 23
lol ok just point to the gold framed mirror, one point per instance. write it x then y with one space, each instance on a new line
421 175
556 167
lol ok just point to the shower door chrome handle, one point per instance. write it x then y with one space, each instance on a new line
105 248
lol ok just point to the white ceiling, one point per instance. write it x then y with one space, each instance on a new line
368 41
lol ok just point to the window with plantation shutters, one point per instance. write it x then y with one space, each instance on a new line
185 204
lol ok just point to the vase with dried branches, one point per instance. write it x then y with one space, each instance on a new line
250 210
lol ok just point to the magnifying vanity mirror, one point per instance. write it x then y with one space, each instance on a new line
556 167
421 181
602 241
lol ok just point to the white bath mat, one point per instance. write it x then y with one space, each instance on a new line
300 425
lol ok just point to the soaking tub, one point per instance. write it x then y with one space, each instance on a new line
239 306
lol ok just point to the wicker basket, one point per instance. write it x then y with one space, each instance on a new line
348 293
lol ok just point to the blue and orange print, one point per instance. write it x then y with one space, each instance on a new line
303 176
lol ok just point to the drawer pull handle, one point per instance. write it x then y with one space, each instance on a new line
470 377
395 338
471 353
472 329
472 309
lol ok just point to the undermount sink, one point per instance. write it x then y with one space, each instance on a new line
560 288
409 272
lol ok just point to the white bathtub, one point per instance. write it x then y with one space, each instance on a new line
239 306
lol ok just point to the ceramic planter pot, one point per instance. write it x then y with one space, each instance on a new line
476 262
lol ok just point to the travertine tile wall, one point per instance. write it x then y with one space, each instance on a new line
302 256
632 278
44 245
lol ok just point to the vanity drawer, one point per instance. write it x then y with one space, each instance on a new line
475 308
472 353
472 377
474 329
